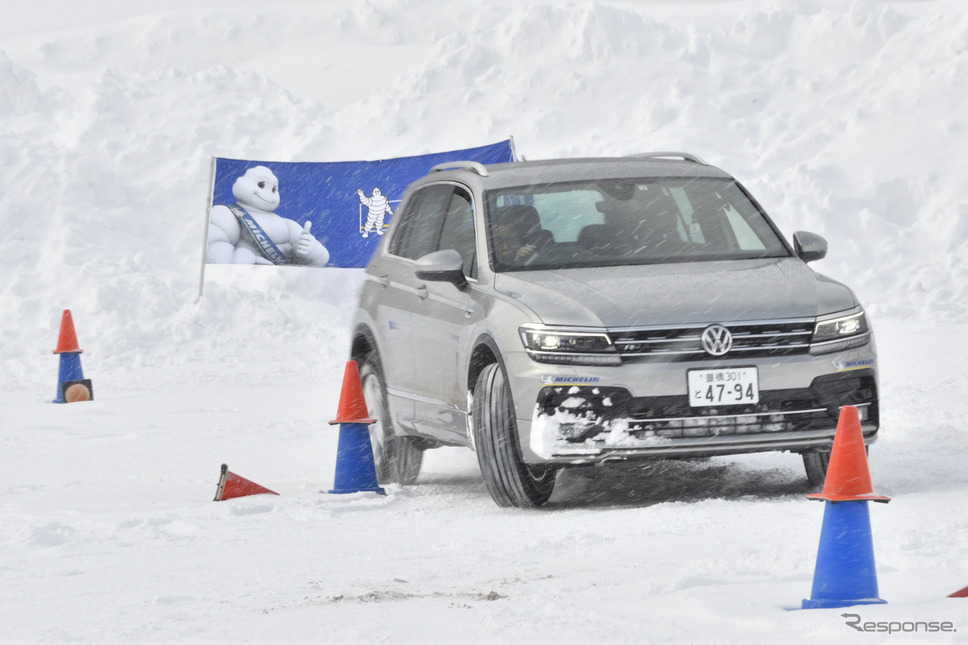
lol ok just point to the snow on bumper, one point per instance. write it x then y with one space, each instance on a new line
591 423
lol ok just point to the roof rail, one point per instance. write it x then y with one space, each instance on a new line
686 156
476 166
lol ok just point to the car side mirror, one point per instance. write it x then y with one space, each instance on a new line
442 266
809 246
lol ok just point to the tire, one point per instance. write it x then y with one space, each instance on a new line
397 458
815 463
509 480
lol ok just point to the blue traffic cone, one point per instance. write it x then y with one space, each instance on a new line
355 468
845 574
70 372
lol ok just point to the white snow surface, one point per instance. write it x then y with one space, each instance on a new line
846 119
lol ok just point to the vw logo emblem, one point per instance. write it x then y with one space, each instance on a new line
716 340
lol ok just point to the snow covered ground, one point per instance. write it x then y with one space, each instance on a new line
846 119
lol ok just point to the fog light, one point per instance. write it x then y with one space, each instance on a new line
577 430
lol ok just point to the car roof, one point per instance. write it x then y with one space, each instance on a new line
521 173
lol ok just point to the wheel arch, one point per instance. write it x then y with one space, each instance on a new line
484 353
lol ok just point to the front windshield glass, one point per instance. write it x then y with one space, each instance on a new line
626 221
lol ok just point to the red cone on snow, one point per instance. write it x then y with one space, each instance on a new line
67 340
848 476
961 593
352 404
231 485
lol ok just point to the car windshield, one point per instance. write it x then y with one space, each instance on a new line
626 221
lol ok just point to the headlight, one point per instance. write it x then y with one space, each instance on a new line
841 332
569 345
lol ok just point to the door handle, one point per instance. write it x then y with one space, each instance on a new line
421 292
384 280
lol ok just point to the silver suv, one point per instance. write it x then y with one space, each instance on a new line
550 314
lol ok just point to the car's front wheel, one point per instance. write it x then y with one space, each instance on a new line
815 464
397 458
509 480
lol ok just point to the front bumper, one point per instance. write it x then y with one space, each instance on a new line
642 411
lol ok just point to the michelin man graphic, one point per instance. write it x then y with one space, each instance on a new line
249 232
377 208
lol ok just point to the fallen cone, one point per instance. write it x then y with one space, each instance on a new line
231 485
961 593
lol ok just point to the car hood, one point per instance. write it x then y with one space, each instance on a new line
687 293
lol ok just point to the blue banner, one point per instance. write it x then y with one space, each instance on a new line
315 214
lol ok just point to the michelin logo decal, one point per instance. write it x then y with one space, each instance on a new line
551 379
844 366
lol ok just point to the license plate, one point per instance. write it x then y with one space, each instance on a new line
729 386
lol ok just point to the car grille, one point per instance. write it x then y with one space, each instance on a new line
755 420
683 342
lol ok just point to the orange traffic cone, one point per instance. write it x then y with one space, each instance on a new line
848 476
231 485
67 340
352 403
